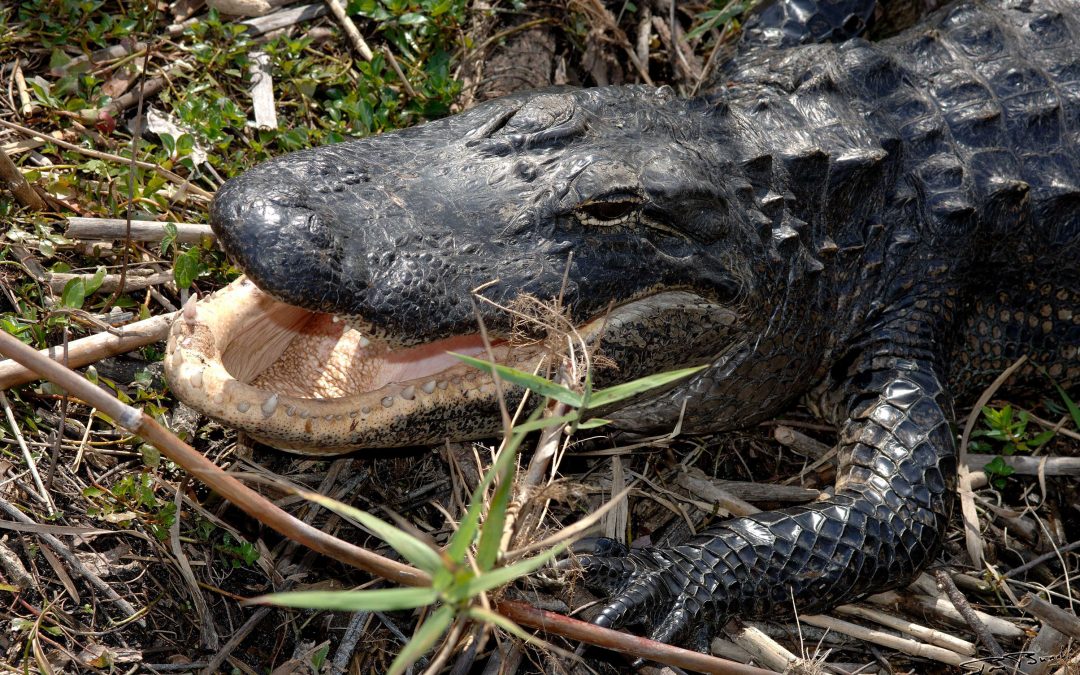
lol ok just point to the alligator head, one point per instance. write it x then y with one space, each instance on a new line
362 259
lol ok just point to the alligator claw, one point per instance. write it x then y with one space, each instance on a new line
645 587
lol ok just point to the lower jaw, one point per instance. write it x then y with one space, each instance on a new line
306 383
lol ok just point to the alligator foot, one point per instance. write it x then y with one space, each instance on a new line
650 587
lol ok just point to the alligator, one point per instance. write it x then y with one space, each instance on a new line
878 228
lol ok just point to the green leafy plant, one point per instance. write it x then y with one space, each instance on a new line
1006 433
131 497
240 552
725 12
469 566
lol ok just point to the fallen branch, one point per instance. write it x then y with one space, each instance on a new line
107 229
13 180
1052 615
625 643
972 619
1029 466
91 349
900 644
111 282
283 19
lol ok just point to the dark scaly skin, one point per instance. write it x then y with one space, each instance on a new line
893 223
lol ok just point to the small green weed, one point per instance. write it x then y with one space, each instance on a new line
469 566
1006 433
239 552
133 497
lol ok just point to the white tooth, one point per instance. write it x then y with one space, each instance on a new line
304 414
428 387
270 405
387 401
408 393
442 384
364 342
196 378
366 410
335 318
290 410
243 406
190 311
353 414
219 398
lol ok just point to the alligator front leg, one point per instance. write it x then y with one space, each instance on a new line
883 524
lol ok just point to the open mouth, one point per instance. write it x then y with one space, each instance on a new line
306 382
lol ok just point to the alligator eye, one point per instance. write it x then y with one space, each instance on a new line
609 211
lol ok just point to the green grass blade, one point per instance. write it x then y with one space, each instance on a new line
470 524
412 549
377 600
527 380
544 422
491 533
1074 410
423 639
593 423
487 581
635 387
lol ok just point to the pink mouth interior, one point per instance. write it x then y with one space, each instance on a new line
293 351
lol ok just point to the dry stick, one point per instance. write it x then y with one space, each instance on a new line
14 568
110 282
350 29
282 19
30 463
108 156
901 644
14 181
631 645
1029 466
263 510
91 349
972 536
1048 643
1035 562
922 605
964 607
800 442
105 229
347 645
262 91
27 106
1060 619
766 650
397 69
66 555
1056 427
924 633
